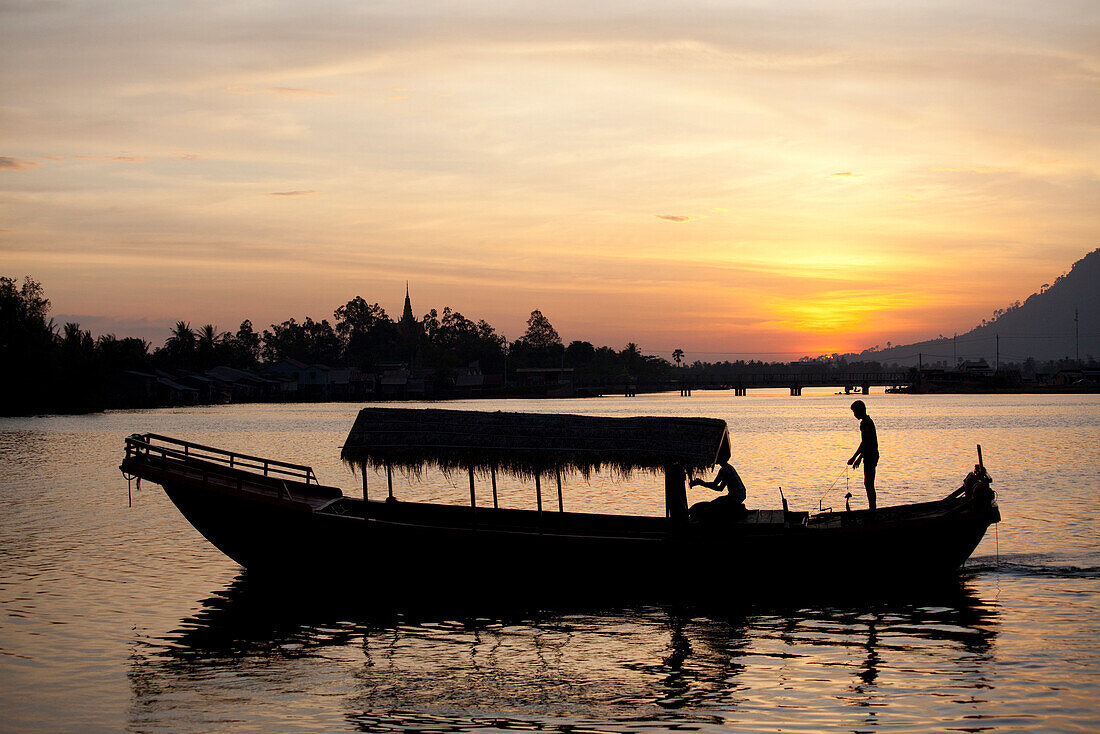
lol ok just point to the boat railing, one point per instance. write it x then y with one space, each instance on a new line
141 445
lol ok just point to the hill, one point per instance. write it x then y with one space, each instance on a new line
1041 327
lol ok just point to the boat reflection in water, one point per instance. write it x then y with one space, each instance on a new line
283 659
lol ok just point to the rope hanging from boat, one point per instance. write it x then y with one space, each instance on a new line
129 494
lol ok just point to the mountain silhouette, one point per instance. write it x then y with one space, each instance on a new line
1040 327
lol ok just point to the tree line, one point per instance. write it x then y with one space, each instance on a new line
47 367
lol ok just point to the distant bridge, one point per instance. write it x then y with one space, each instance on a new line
740 383
795 381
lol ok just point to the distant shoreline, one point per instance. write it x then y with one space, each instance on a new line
1034 390
1026 390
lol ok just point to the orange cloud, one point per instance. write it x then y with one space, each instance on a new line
838 312
672 218
7 163
113 158
292 193
845 174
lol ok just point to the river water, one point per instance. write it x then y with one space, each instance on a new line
116 618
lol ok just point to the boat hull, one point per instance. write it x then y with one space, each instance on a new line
401 544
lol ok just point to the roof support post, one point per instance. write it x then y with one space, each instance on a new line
389 479
560 507
538 491
493 475
363 468
473 499
676 507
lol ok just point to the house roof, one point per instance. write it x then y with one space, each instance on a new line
175 385
545 369
231 374
530 443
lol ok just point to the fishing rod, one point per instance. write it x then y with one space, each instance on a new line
843 473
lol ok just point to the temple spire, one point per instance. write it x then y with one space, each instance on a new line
407 314
409 327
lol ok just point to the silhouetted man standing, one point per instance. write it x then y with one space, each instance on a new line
867 451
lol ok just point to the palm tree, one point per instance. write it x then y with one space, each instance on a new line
181 335
677 356
72 333
77 342
181 344
208 338
631 356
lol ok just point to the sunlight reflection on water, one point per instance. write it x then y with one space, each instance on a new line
120 618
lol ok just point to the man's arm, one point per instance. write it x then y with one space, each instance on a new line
715 484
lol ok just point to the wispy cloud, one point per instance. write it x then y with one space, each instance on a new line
8 163
288 91
672 218
113 158
846 174
292 193
295 92
970 169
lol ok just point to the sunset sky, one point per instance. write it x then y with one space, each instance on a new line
742 179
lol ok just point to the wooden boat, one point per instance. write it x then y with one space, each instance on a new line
274 517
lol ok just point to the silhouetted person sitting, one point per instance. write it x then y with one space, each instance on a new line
731 504
867 451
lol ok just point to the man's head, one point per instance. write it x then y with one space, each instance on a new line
859 409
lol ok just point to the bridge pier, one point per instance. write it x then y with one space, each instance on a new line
796 390
866 387
740 392
685 391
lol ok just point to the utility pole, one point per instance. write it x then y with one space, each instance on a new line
1077 335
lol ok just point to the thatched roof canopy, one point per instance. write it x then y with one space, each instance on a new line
530 443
